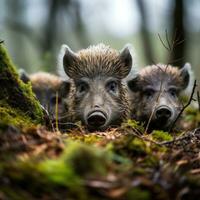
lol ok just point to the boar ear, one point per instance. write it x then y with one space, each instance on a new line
68 59
65 88
23 76
133 84
184 73
126 58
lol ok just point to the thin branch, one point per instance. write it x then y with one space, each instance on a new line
180 42
174 41
56 112
184 107
157 100
176 60
185 136
198 99
143 137
167 38
166 47
171 45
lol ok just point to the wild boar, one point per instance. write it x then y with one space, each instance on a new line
52 92
100 98
155 94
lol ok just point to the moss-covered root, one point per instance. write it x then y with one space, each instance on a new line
16 98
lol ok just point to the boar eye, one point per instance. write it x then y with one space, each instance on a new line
82 87
173 92
112 86
149 92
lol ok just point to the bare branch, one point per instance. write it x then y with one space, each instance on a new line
157 100
180 138
184 107
167 38
176 60
198 99
166 47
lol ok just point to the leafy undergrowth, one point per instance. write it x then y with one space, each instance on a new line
116 164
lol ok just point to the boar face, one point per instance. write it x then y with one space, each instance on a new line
49 90
97 72
49 96
98 101
155 94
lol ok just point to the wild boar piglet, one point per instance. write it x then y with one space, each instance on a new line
155 94
100 100
51 91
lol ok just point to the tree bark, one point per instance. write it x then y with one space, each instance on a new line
177 56
146 40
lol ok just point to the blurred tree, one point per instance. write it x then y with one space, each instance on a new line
50 32
15 21
178 56
45 41
79 25
146 40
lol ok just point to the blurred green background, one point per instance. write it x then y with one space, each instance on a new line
166 31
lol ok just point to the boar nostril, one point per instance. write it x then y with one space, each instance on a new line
96 119
96 106
163 113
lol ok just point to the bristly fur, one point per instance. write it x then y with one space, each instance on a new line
94 62
97 60
45 80
161 72
161 80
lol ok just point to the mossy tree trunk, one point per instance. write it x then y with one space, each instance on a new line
18 105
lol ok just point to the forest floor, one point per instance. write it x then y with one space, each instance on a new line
116 164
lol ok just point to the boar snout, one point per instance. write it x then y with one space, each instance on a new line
163 112
96 119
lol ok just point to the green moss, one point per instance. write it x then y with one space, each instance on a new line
137 194
78 162
138 146
58 172
161 136
136 125
192 114
86 138
13 116
86 160
15 94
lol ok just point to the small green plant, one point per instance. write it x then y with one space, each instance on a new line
136 125
161 135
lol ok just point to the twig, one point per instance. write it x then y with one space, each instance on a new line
56 112
170 46
158 97
184 107
167 38
176 60
185 136
143 137
174 41
198 99
166 47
